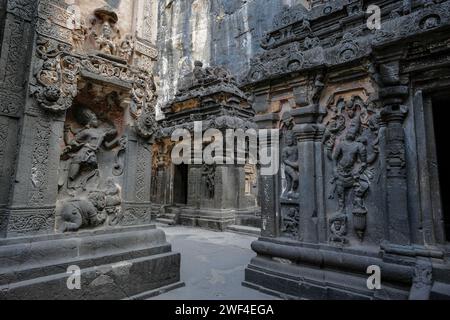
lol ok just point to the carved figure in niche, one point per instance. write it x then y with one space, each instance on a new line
347 173
338 229
78 213
289 157
291 222
104 31
209 174
82 149
352 143
105 41
126 48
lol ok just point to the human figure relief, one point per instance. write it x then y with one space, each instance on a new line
338 229
348 173
83 213
209 172
290 160
126 48
291 222
82 149
106 40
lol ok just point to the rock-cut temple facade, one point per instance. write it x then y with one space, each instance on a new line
91 93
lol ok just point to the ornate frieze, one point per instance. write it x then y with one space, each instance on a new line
57 14
46 28
13 67
24 221
56 74
136 216
140 183
25 9
294 45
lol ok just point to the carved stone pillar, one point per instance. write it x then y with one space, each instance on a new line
394 114
309 135
269 188
34 194
137 181
27 199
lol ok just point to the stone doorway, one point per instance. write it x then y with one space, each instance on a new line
180 184
440 123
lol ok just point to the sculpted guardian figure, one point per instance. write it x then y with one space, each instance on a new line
83 148
290 160
347 173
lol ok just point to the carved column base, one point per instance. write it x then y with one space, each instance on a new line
285 268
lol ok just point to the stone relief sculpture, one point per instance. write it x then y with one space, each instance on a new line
290 223
126 48
338 229
93 148
351 143
81 150
83 212
104 31
289 156
209 176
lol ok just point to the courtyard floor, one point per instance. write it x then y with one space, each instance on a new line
212 265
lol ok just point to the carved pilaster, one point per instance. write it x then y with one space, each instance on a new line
393 93
309 131
269 187
137 182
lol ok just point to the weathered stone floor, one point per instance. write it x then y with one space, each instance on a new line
212 264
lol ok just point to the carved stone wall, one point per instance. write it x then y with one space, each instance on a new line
89 98
349 104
